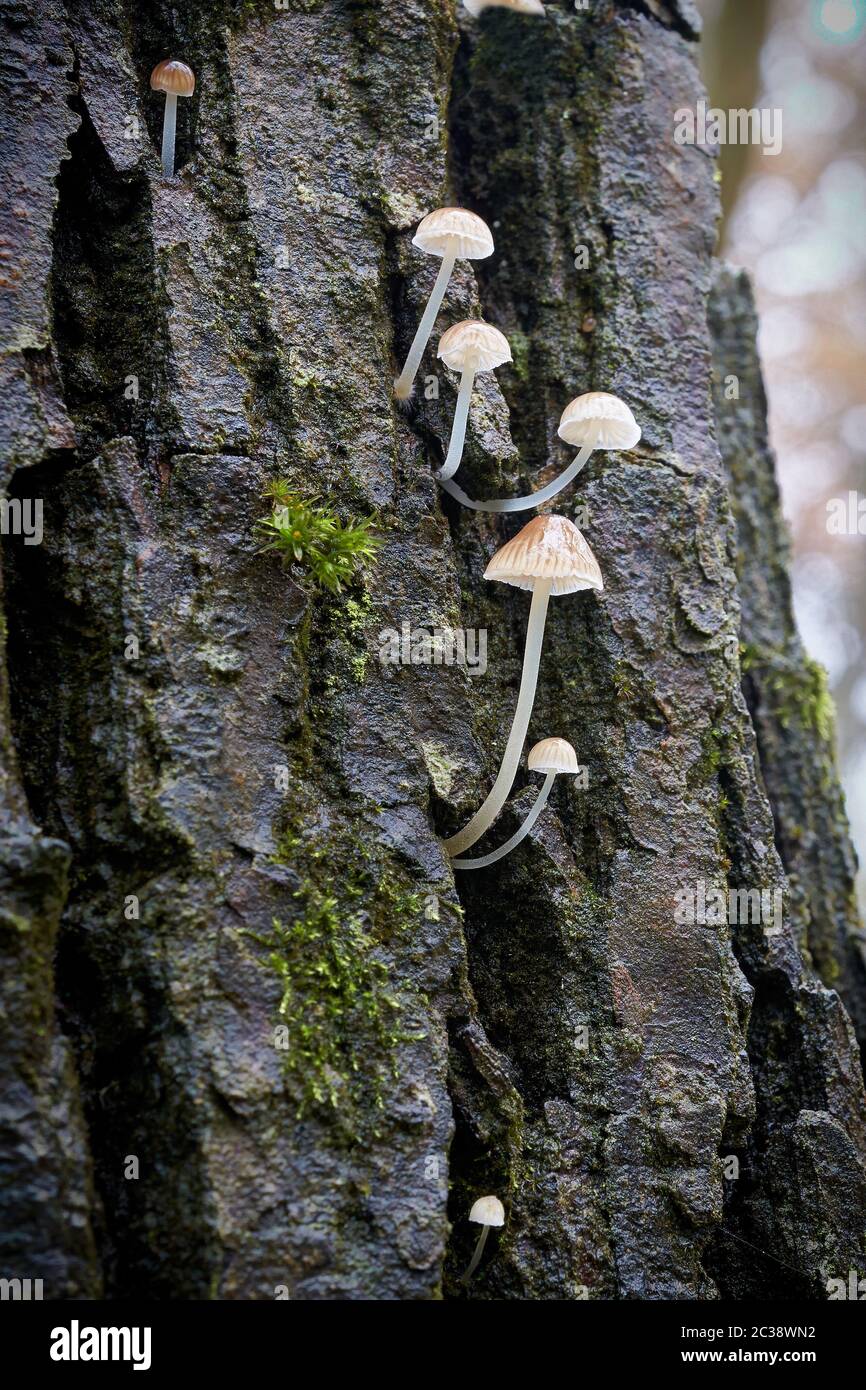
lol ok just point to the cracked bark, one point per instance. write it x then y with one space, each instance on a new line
311 143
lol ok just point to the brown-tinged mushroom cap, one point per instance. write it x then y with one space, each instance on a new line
454 229
548 547
173 76
488 1211
474 346
552 755
600 419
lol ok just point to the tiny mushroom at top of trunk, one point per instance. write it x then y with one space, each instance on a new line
176 80
453 234
596 420
548 556
468 347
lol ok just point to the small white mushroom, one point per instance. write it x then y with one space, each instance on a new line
596 420
486 1212
551 756
454 234
468 347
549 556
176 80
521 6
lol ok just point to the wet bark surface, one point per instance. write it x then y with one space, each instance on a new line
222 813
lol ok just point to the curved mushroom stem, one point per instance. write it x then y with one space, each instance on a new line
458 429
532 499
518 835
403 384
476 1257
486 815
169 125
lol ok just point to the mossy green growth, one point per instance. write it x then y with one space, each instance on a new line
304 533
342 1018
814 701
802 694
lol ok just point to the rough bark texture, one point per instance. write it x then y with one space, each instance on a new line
263 299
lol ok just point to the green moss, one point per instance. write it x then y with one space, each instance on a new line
801 694
344 1014
816 703
342 1017
313 536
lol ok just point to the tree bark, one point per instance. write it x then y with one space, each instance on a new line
219 804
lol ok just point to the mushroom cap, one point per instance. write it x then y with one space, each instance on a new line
548 547
437 231
619 429
488 1211
553 755
522 6
173 76
473 344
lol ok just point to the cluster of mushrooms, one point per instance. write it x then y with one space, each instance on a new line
549 556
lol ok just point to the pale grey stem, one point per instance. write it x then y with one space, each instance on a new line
532 499
403 384
518 835
479 1251
485 816
168 128
458 429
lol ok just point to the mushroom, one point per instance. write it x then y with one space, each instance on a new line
596 420
549 556
452 233
176 80
522 6
551 756
468 347
486 1212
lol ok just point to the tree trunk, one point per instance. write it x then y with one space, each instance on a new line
223 810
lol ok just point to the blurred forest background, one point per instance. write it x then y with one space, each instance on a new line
797 222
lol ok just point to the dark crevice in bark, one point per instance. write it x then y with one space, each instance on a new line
106 321
64 646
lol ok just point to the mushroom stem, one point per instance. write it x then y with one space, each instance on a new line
500 853
404 382
169 126
485 816
532 499
476 1257
458 428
